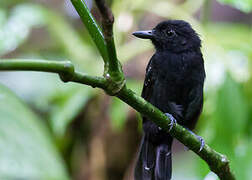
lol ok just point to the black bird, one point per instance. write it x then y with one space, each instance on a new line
173 83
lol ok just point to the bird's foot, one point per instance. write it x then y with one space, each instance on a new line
201 140
173 121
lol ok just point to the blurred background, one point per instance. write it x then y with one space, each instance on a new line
55 131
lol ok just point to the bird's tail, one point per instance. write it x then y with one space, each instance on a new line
154 161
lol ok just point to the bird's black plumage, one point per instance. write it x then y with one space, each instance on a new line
173 83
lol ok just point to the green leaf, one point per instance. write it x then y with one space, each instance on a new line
229 118
243 5
66 105
27 151
242 161
77 49
61 102
231 109
226 127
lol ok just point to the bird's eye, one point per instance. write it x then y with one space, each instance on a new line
170 33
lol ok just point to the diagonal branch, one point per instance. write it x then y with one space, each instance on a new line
217 162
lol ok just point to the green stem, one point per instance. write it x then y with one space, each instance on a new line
37 65
113 62
64 68
93 81
112 69
115 69
92 27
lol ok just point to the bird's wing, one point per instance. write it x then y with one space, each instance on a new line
148 89
149 80
194 102
176 110
194 107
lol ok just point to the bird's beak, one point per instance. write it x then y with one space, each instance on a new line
144 34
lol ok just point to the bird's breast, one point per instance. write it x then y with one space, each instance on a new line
175 68
173 79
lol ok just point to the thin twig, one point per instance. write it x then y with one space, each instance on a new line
107 18
115 69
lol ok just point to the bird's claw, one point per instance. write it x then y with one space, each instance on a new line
173 121
201 140
202 143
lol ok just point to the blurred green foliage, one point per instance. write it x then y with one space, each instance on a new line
243 5
27 150
46 135
11 37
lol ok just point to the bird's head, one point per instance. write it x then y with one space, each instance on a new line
172 35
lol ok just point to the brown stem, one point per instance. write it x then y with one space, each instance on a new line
107 18
114 72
